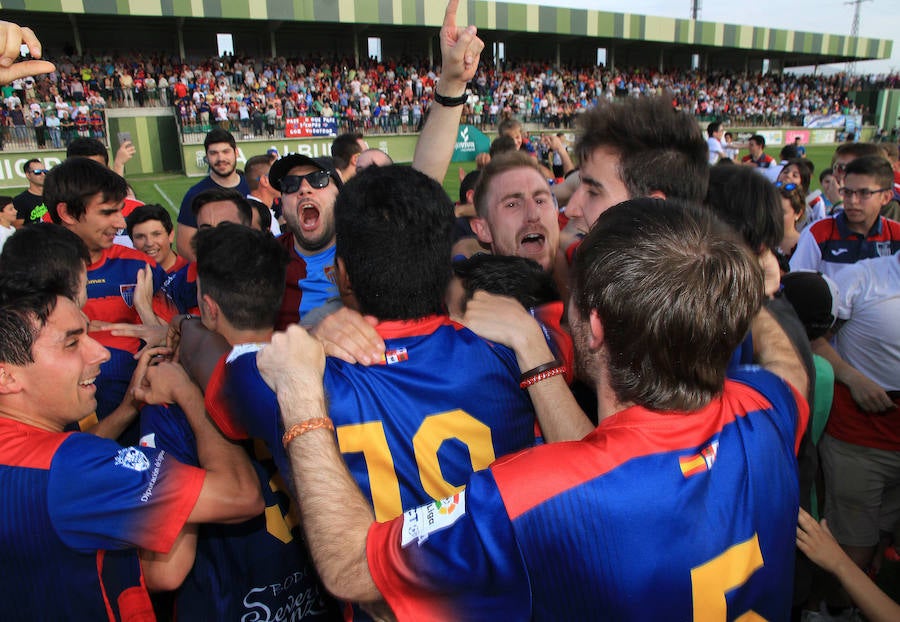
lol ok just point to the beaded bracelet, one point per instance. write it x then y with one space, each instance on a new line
299 429
543 375
540 368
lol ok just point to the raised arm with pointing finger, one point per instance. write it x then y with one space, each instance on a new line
346 334
460 50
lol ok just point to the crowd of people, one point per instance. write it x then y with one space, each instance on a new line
256 96
587 390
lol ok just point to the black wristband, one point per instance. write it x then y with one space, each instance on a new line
539 369
450 102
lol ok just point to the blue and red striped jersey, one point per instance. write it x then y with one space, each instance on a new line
250 570
75 508
653 516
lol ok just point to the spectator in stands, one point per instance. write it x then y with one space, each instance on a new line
221 156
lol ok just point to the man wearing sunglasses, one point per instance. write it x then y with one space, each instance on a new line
309 187
29 204
859 231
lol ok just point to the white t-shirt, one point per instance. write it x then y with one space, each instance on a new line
869 299
715 149
5 232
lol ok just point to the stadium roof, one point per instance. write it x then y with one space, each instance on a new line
522 27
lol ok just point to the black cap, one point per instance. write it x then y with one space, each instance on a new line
814 297
291 160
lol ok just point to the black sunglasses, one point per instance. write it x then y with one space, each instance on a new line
316 179
38 171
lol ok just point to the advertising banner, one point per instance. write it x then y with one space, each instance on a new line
306 127
790 135
469 143
11 175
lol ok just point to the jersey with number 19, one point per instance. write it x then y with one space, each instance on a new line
653 516
443 403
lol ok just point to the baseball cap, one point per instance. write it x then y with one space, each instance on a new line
814 297
290 160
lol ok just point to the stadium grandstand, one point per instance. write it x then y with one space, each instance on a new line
267 70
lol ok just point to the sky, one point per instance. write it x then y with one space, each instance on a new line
879 19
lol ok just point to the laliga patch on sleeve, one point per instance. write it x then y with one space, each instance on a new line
420 522
148 440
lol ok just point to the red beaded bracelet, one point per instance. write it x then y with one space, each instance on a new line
542 375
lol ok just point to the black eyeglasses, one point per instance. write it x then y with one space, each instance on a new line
862 193
316 179
38 171
786 187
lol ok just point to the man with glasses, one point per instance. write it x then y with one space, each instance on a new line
845 154
30 207
859 231
309 187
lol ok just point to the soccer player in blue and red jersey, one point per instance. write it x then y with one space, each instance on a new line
87 198
242 571
681 504
76 506
443 403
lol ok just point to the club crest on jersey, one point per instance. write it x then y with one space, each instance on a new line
700 462
126 291
329 274
390 357
421 522
133 459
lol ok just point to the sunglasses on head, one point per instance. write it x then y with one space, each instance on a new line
316 179
786 187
